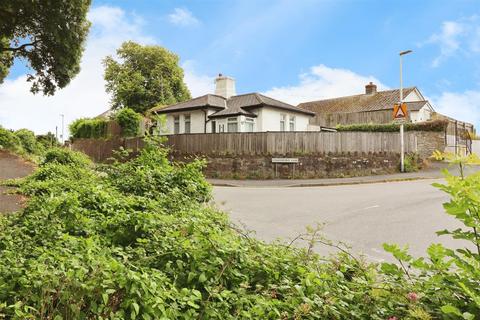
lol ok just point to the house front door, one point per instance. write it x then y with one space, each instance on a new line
214 126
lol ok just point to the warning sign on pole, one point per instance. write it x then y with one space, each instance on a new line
400 111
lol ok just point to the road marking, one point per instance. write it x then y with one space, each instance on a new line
372 207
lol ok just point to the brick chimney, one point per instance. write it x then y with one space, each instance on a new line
371 88
225 86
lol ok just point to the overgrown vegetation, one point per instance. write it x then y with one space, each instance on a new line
412 162
138 240
129 121
88 128
23 142
435 125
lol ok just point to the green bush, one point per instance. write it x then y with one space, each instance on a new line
129 121
48 140
29 141
66 157
88 128
9 141
435 125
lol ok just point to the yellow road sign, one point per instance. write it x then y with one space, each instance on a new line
400 111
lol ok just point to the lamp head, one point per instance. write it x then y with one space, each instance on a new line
405 52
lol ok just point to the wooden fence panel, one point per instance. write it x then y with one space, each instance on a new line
290 142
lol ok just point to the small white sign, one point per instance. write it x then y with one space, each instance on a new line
284 160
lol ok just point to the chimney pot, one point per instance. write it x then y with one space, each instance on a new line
371 88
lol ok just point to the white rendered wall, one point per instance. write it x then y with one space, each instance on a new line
269 120
424 114
197 121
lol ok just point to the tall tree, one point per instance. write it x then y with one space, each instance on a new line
48 34
144 77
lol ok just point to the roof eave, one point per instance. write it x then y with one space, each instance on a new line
187 109
233 115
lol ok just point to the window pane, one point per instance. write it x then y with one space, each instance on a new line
187 123
292 124
176 125
232 127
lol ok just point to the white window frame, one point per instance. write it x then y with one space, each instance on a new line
176 124
283 120
232 121
187 122
249 122
291 123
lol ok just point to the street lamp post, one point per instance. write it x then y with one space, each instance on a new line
63 128
402 142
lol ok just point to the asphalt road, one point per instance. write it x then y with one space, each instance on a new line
364 216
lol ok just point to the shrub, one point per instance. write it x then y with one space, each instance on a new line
66 157
88 128
29 141
129 121
9 141
435 125
48 140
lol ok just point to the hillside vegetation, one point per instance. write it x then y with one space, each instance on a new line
139 240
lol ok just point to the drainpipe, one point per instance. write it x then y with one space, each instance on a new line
205 120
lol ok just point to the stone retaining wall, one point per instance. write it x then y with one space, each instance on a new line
308 166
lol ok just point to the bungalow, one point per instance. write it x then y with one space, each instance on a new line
372 106
225 111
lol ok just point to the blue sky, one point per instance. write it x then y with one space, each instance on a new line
293 50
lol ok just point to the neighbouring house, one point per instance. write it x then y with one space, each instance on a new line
371 107
225 111
377 107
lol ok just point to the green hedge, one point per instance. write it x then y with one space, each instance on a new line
129 120
88 128
436 125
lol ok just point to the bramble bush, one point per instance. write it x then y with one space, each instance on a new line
139 240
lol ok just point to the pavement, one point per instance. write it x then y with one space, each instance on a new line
11 167
364 216
433 172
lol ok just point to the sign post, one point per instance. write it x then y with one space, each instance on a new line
400 114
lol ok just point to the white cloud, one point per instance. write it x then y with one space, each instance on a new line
464 106
323 82
462 35
85 96
182 17
198 84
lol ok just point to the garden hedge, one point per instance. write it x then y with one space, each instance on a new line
435 125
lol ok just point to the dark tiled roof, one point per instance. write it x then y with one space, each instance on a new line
208 100
234 105
381 100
